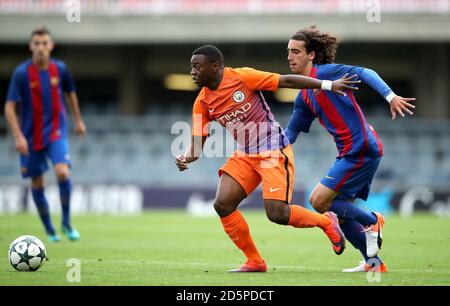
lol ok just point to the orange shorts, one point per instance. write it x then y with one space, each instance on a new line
275 169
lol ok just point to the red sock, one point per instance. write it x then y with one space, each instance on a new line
302 217
237 229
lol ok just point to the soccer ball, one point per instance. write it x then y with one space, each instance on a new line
27 253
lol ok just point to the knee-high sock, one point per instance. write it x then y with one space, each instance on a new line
354 232
42 206
349 211
302 217
237 229
65 188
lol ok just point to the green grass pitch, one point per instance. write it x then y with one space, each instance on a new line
171 248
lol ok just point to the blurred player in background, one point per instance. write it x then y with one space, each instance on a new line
36 89
232 97
311 53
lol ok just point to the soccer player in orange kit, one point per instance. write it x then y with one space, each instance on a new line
232 97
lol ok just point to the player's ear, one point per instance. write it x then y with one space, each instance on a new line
312 55
215 66
51 44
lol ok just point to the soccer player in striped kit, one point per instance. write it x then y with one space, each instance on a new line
37 91
311 53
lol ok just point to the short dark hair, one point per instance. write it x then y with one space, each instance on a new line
212 53
42 30
323 44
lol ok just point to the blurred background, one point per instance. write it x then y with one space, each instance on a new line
130 61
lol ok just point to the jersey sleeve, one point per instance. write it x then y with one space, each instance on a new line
200 119
366 75
301 119
259 80
67 82
14 88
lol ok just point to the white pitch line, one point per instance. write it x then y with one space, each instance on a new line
208 264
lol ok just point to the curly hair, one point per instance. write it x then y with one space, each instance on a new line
323 44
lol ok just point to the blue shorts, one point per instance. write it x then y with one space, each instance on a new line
352 176
35 163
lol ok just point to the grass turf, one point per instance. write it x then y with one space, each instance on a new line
172 248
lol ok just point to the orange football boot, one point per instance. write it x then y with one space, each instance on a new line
251 266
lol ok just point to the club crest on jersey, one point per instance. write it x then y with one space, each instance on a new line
54 81
316 92
238 96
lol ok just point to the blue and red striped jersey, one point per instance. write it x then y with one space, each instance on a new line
40 99
340 115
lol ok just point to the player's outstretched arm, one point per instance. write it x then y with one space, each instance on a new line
397 104
80 127
192 154
11 117
304 82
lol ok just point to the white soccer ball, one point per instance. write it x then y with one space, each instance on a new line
27 253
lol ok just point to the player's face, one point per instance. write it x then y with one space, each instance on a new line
298 57
41 46
201 70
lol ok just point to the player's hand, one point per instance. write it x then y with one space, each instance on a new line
21 145
80 128
400 104
181 163
344 83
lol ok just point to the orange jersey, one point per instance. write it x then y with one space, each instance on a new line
239 106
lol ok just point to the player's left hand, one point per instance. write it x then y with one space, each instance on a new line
344 83
400 104
80 128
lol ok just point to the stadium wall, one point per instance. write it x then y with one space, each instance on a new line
134 199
